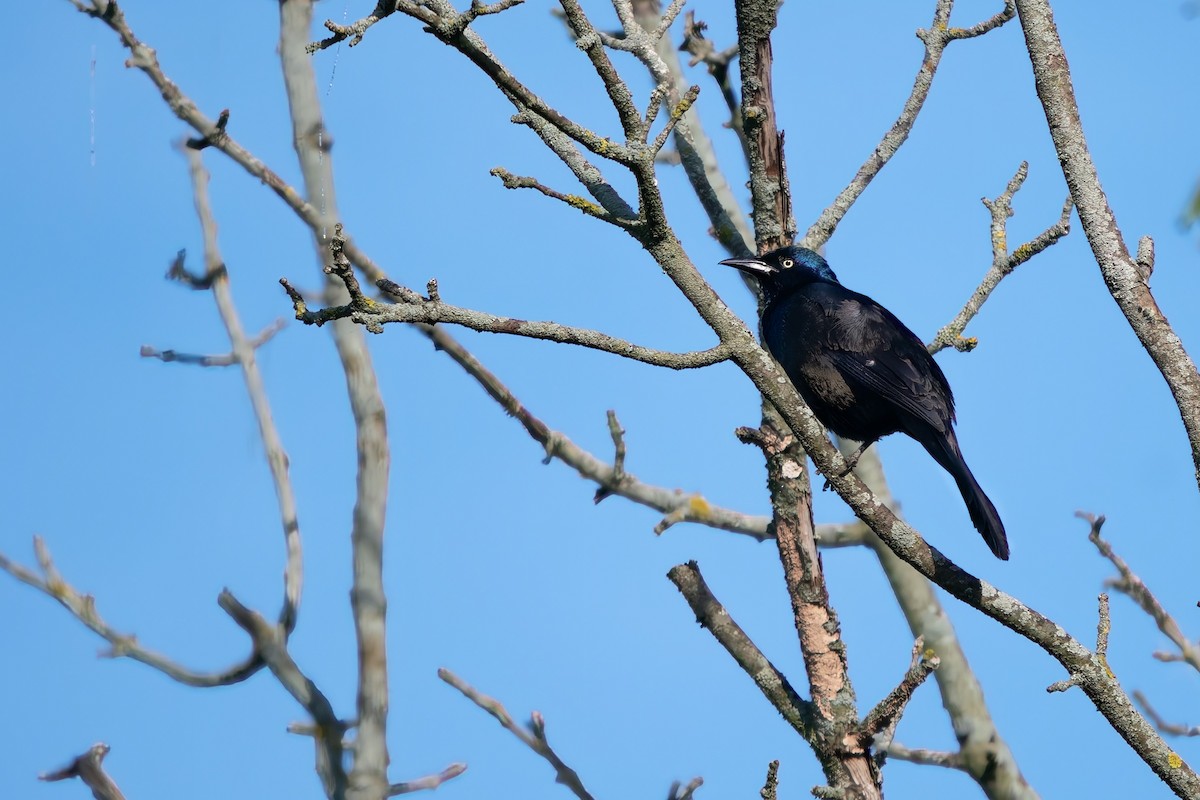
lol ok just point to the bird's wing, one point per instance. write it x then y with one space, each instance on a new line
876 351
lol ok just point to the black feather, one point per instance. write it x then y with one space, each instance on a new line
860 369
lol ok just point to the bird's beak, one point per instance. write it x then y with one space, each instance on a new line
755 266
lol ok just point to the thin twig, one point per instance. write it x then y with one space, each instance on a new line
83 607
243 351
884 717
935 38
678 506
1003 262
1103 626
534 737
618 468
935 758
1133 587
588 207
1169 728
223 360
429 781
355 30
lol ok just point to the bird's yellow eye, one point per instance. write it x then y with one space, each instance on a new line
788 263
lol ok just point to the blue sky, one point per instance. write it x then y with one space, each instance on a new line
148 482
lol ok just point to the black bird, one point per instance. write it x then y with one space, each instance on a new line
861 371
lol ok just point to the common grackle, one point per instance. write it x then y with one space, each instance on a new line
861 371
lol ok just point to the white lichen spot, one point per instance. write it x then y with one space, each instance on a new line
791 470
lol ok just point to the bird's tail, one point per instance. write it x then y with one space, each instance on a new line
983 514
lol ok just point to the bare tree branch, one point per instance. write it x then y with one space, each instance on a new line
1169 728
429 781
886 715
771 785
355 30
271 642
983 752
368 779
223 360
1127 280
413 308
1003 262
1103 626
799 713
679 791
935 39
88 769
534 738
83 607
1132 586
774 223
244 353
678 506
934 758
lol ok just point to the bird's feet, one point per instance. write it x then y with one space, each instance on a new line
851 463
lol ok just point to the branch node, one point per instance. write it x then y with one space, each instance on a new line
216 136
1145 257
618 470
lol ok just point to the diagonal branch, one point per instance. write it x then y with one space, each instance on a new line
83 607
935 38
534 738
983 752
1003 262
355 30
884 717
270 641
1169 728
678 506
244 354
1126 276
1135 588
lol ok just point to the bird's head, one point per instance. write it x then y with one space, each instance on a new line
785 268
